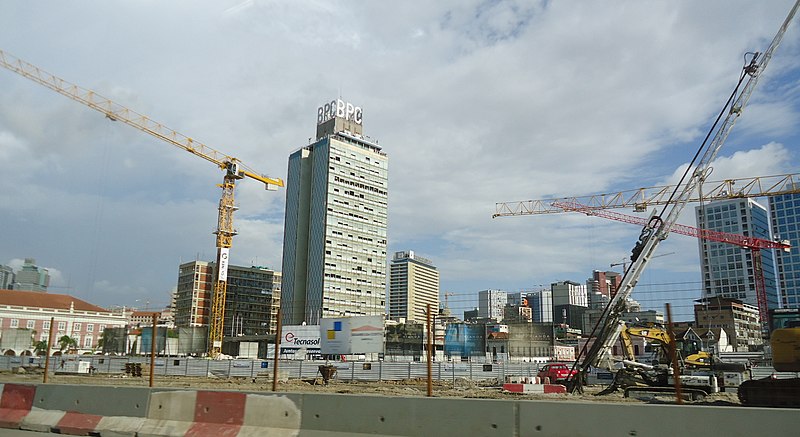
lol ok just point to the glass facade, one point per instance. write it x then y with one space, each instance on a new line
727 270
785 212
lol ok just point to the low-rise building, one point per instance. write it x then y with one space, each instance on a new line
74 317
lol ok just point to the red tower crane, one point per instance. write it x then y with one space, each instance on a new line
754 244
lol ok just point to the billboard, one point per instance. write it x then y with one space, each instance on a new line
466 340
300 336
352 335
404 339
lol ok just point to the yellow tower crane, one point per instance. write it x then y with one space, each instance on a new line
234 170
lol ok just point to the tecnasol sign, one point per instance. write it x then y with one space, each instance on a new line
341 109
300 336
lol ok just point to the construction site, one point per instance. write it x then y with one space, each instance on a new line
340 348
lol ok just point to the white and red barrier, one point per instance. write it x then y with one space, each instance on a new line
170 413
15 403
223 414
531 384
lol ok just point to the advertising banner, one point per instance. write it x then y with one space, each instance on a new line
300 336
352 335
404 339
464 340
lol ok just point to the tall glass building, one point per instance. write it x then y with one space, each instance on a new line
727 269
334 243
785 213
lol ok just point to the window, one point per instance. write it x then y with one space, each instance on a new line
62 326
87 341
76 326
30 324
89 327
46 324
14 323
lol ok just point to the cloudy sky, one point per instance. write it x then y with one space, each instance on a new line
474 102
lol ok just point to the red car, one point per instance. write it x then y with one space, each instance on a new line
556 372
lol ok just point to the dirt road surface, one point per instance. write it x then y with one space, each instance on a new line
415 387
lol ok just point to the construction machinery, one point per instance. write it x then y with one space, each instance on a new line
774 391
658 226
698 371
234 170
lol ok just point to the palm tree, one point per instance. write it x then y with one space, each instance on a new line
67 342
40 347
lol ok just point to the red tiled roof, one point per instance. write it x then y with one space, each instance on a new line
37 299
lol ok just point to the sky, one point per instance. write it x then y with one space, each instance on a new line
475 102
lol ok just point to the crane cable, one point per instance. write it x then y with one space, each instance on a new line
722 112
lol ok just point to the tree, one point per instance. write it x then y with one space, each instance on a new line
67 342
40 347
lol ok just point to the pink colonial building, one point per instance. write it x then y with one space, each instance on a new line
32 310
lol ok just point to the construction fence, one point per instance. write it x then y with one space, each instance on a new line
297 369
291 369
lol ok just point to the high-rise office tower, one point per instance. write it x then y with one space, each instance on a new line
31 277
334 242
492 304
785 213
541 303
728 269
6 277
413 284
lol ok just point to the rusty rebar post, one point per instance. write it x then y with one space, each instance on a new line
277 350
676 370
153 350
49 348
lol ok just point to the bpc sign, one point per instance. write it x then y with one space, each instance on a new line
341 109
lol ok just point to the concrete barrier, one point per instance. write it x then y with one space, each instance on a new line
218 413
185 413
16 402
535 388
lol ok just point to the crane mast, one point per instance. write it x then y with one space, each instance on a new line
233 167
608 329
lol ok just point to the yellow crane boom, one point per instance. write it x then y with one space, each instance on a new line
234 170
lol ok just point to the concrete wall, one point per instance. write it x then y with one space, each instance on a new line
342 414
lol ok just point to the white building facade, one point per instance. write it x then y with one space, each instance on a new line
74 317
413 285
492 304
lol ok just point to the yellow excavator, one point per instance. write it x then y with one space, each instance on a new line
698 368
773 391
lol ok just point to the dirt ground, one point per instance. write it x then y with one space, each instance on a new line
461 388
